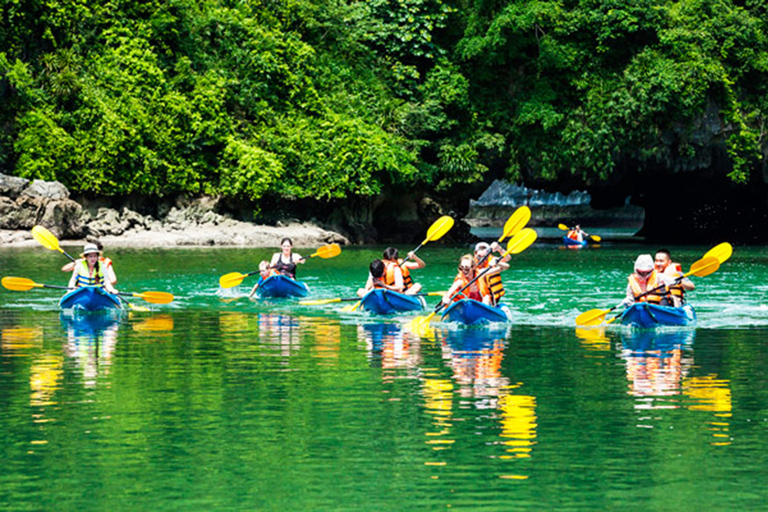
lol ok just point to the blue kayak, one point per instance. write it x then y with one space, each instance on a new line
281 286
648 316
90 298
384 302
570 242
472 312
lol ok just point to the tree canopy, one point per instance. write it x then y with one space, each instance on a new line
339 98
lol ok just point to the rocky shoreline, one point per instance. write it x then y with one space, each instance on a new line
183 223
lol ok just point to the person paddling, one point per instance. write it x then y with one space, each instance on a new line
664 265
397 274
477 290
643 279
265 271
91 271
284 262
493 280
377 279
576 234
111 277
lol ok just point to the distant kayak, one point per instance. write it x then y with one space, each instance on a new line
384 302
282 286
90 298
472 312
570 242
648 316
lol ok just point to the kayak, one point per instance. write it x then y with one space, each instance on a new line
384 302
90 298
648 316
473 312
282 286
570 242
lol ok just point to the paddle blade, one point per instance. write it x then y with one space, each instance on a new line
421 322
328 251
592 317
595 238
516 222
521 241
45 238
563 227
704 267
155 297
19 284
231 279
439 228
721 252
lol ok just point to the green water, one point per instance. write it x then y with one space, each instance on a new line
216 402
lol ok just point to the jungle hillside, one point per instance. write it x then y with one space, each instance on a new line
342 102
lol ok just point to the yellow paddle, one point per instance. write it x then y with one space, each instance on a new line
722 252
700 268
322 302
516 245
593 237
435 232
235 278
48 240
22 284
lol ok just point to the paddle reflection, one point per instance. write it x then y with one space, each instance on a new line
91 341
656 363
708 393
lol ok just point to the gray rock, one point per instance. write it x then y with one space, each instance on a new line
11 186
47 190
65 216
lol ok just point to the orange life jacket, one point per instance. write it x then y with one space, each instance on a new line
477 294
573 235
677 289
651 283
493 282
389 274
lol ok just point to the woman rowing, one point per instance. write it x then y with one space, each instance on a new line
470 287
284 262
91 271
111 277
397 273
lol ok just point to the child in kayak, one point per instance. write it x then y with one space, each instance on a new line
265 271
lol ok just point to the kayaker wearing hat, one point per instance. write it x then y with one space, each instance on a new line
90 271
643 279
111 277
492 279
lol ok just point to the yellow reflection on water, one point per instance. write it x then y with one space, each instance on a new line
45 379
518 424
157 323
594 339
16 339
711 394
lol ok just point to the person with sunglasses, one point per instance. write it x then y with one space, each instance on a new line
644 279
470 288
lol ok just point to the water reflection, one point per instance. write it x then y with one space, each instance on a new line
709 393
656 363
91 341
391 347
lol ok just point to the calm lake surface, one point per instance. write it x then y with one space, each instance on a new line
217 402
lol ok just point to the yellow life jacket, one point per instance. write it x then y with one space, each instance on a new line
651 283
84 277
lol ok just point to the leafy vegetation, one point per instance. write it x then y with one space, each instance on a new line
335 98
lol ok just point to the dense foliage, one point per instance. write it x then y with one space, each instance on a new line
337 98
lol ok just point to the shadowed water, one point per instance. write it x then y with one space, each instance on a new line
219 402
